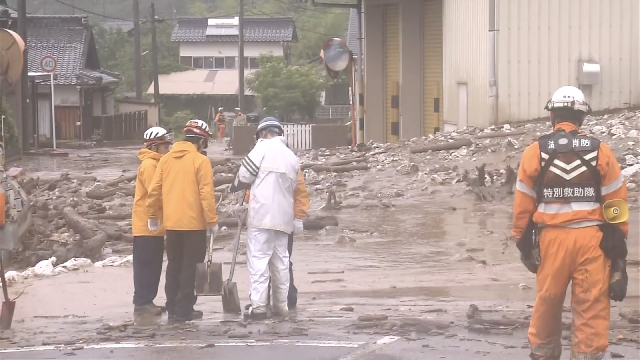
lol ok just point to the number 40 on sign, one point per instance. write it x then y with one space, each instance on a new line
48 64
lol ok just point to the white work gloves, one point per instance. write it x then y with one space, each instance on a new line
298 227
153 224
213 229
239 209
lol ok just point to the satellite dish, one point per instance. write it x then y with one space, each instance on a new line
11 57
336 54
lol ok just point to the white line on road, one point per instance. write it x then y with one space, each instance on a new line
130 345
365 352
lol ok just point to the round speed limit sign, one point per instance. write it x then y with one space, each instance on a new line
48 64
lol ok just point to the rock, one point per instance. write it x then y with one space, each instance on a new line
631 160
615 355
631 186
632 133
347 308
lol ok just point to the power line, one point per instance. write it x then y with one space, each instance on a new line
90 12
306 8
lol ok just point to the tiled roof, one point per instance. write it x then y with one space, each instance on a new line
256 29
352 32
10 11
67 39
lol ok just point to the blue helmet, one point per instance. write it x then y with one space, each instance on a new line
269 122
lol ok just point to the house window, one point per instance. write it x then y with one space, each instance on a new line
186 61
230 62
251 63
254 63
198 63
218 63
208 62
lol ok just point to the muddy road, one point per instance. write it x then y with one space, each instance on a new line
419 242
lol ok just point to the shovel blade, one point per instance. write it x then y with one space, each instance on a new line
6 316
230 298
209 279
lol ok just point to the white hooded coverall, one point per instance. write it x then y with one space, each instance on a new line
272 170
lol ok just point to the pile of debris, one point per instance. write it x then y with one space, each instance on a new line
485 161
80 216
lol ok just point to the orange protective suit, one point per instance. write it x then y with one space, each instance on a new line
222 125
569 251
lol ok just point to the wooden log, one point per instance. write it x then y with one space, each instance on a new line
83 178
498 134
122 179
453 145
225 169
340 169
507 323
346 161
92 239
307 166
97 194
111 216
319 222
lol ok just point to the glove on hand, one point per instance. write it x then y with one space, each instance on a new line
529 262
619 280
239 209
213 229
298 227
153 224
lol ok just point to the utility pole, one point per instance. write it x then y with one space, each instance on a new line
73 7
137 56
154 60
23 120
241 56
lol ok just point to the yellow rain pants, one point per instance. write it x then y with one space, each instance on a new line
571 255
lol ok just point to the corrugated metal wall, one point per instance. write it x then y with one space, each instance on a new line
540 43
432 67
466 25
392 69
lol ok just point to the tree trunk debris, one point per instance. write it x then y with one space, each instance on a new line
453 145
339 168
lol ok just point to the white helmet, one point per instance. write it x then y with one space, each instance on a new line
156 135
568 97
220 109
197 127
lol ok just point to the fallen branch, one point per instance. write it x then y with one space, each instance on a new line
453 145
500 323
307 166
340 168
121 179
111 216
223 179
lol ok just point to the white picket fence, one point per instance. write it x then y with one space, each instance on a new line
298 136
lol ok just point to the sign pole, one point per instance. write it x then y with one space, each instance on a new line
53 112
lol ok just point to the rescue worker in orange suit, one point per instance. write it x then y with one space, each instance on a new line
148 246
221 121
563 180
300 208
183 188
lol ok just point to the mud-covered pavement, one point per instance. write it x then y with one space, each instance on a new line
418 241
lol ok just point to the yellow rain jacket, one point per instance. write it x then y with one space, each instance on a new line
300 198
182 190
139 214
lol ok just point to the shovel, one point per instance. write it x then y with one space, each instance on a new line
230 298
8 306
209 274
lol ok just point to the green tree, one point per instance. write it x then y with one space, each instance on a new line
115 49
286 90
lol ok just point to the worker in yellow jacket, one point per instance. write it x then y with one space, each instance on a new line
181 198
148 246
300 208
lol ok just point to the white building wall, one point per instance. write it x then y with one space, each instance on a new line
65 95
465 60
219 49
541 42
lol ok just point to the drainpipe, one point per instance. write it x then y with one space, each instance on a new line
493 49
360 71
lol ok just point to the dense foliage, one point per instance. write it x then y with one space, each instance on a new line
286 90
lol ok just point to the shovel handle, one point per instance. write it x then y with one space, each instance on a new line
210 255
3 278
236 244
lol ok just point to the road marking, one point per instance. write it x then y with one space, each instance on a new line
132 345
364 353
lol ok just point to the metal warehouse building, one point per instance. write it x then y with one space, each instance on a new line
433 65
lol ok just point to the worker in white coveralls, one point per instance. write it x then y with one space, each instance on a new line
271 172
